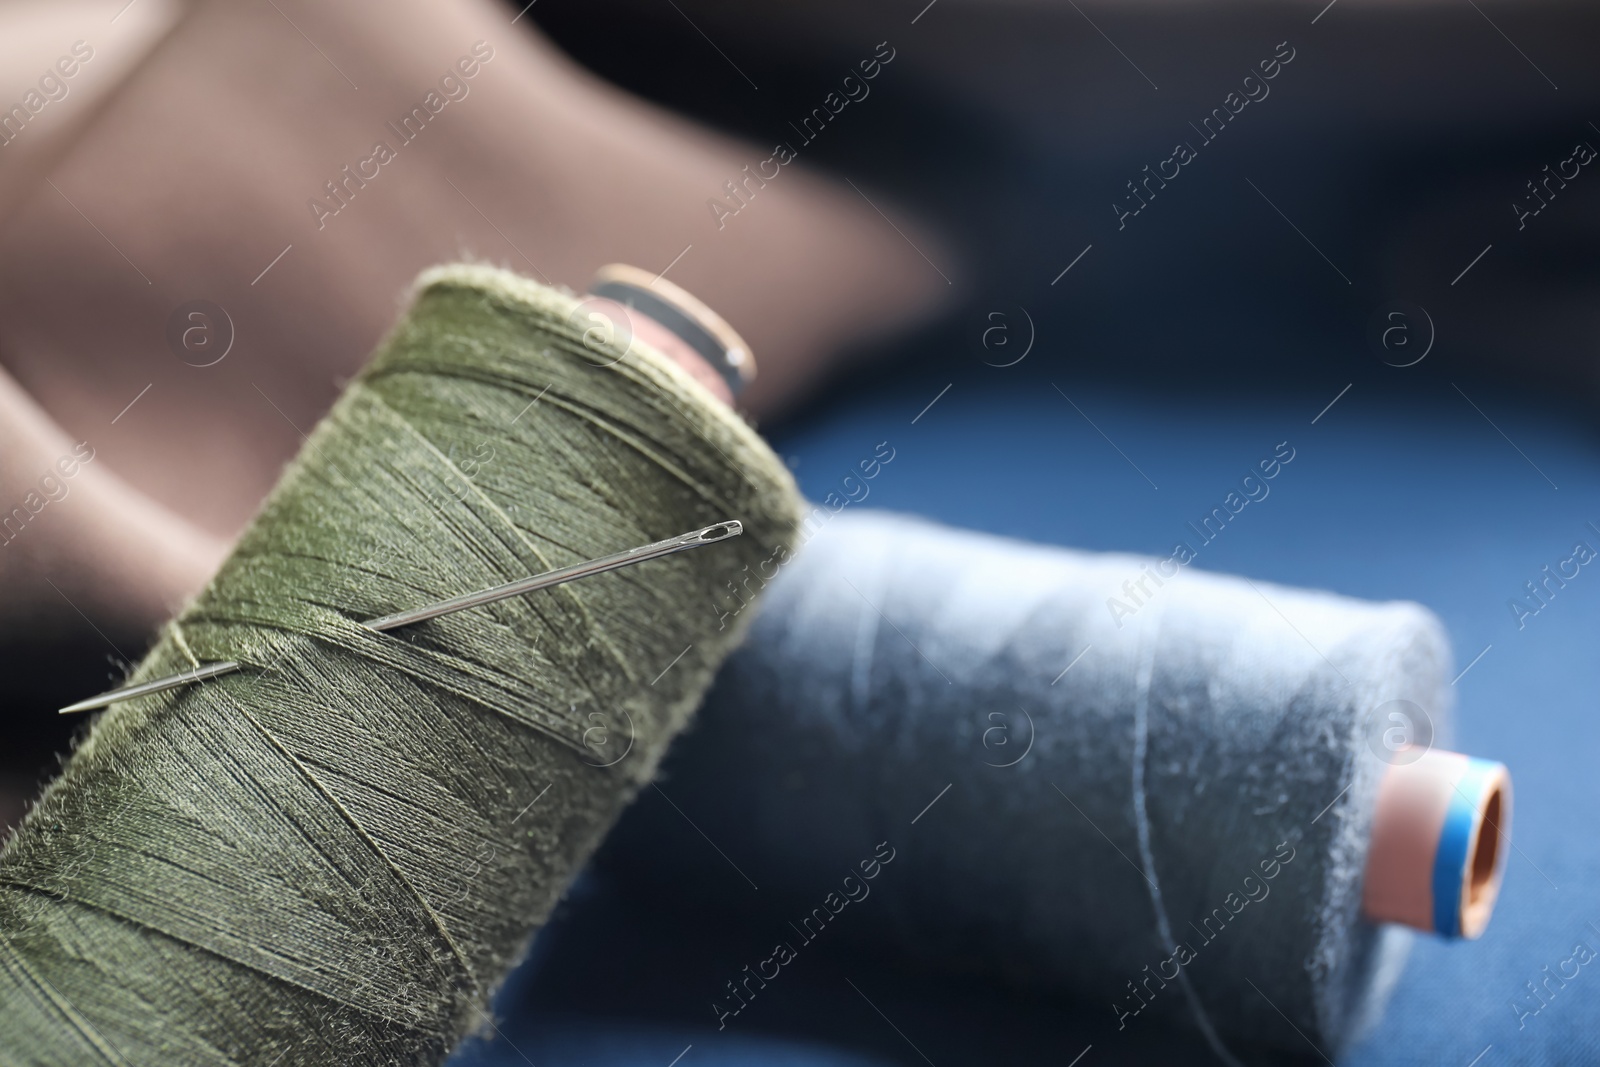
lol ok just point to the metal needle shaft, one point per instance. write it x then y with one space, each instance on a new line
160 685
693 539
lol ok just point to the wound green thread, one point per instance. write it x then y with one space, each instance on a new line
334 856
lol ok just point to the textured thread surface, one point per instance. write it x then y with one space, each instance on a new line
334 856
1096 816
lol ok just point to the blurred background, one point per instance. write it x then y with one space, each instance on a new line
1384 254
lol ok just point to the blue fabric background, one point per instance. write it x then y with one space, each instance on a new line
1401 490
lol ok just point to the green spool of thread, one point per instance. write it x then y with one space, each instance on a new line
334 856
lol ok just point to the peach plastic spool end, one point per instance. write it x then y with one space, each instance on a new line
1440 834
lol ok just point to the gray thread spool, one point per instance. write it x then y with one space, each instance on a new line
1193 740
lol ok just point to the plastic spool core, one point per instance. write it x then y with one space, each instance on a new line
1483 881
1436 859
681 326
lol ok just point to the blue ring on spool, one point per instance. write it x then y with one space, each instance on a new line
1455 838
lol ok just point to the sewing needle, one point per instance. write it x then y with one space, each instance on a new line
693 539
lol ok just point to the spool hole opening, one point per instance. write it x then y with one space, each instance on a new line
1486 853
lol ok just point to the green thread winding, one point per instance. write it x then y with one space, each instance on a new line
334 856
